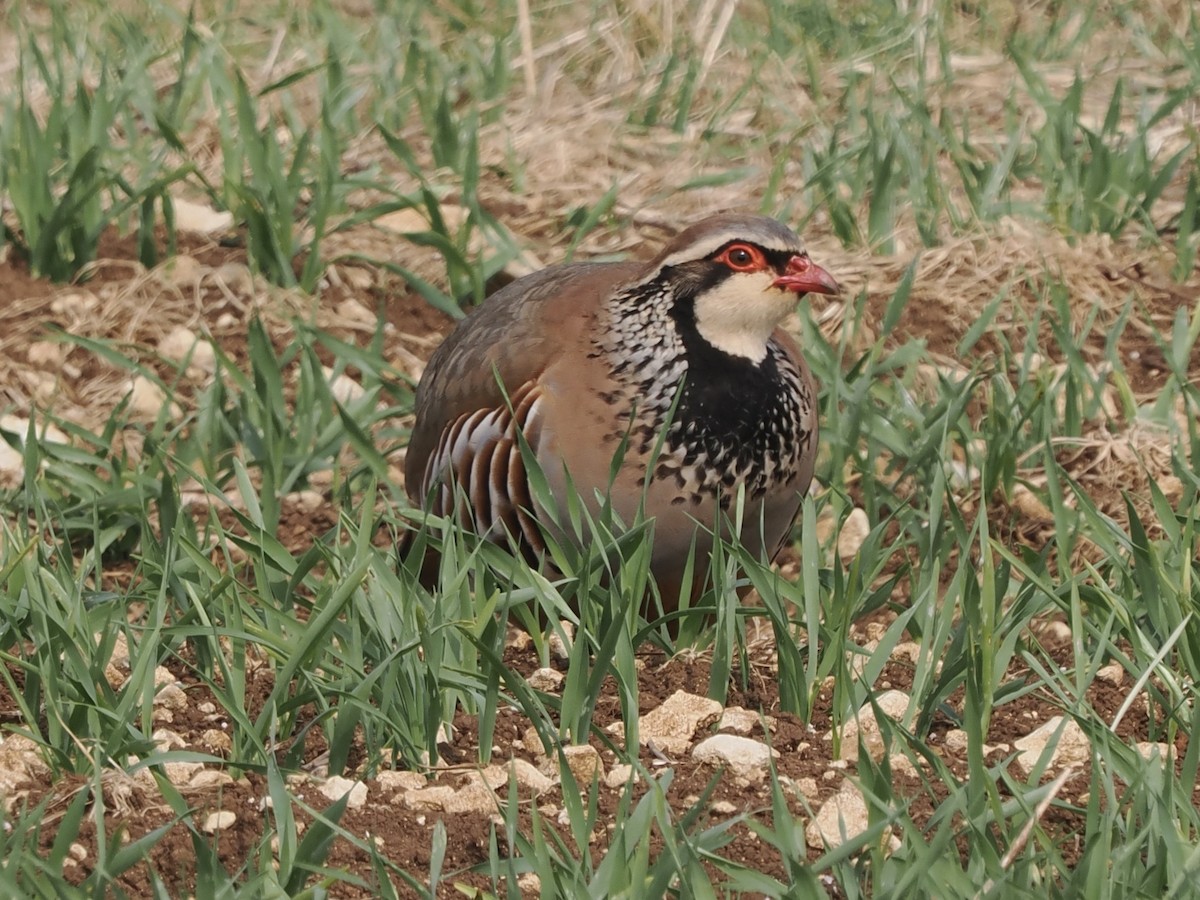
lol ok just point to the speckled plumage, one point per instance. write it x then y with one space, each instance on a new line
677 362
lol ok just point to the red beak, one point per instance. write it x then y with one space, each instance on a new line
804 276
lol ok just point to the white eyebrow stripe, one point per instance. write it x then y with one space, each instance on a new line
708 246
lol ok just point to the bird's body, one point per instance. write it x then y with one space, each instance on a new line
679 362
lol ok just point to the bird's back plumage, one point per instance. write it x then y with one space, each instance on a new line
676 362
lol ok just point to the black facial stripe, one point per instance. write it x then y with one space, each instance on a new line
690 280
778 259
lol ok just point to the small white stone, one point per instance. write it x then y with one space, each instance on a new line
894 705
432 798
20 762
166 740
805 787
219 821
1030 506
216 741
12 460
961 476
115 676
956 740
876 632
745 757
180 271
239 279
307 501
546 679
120 651
826 523
345 389
1113 673
147 399
559 648
516 639
857 660
723 808
1148 750
43 385
907 651
12 464
585 764
402 220
1072 748
45 354
199 218
335 787
182 344
618 776
401 781
171 696
740 720
76 304
471 798
672 725
533 742
206 779
353 311
181 773
841 818
854 533
527 776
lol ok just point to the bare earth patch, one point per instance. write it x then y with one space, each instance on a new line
397 813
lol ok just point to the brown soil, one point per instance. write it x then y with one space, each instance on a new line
403 835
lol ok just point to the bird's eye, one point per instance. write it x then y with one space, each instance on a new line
742 258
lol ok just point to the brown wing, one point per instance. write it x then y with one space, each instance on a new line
477 473
464 440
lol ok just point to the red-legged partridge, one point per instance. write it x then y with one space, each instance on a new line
591 355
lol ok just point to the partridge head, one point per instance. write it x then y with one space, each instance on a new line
679 363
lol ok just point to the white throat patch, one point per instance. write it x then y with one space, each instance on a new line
738 314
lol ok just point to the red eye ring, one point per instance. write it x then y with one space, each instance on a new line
743 258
